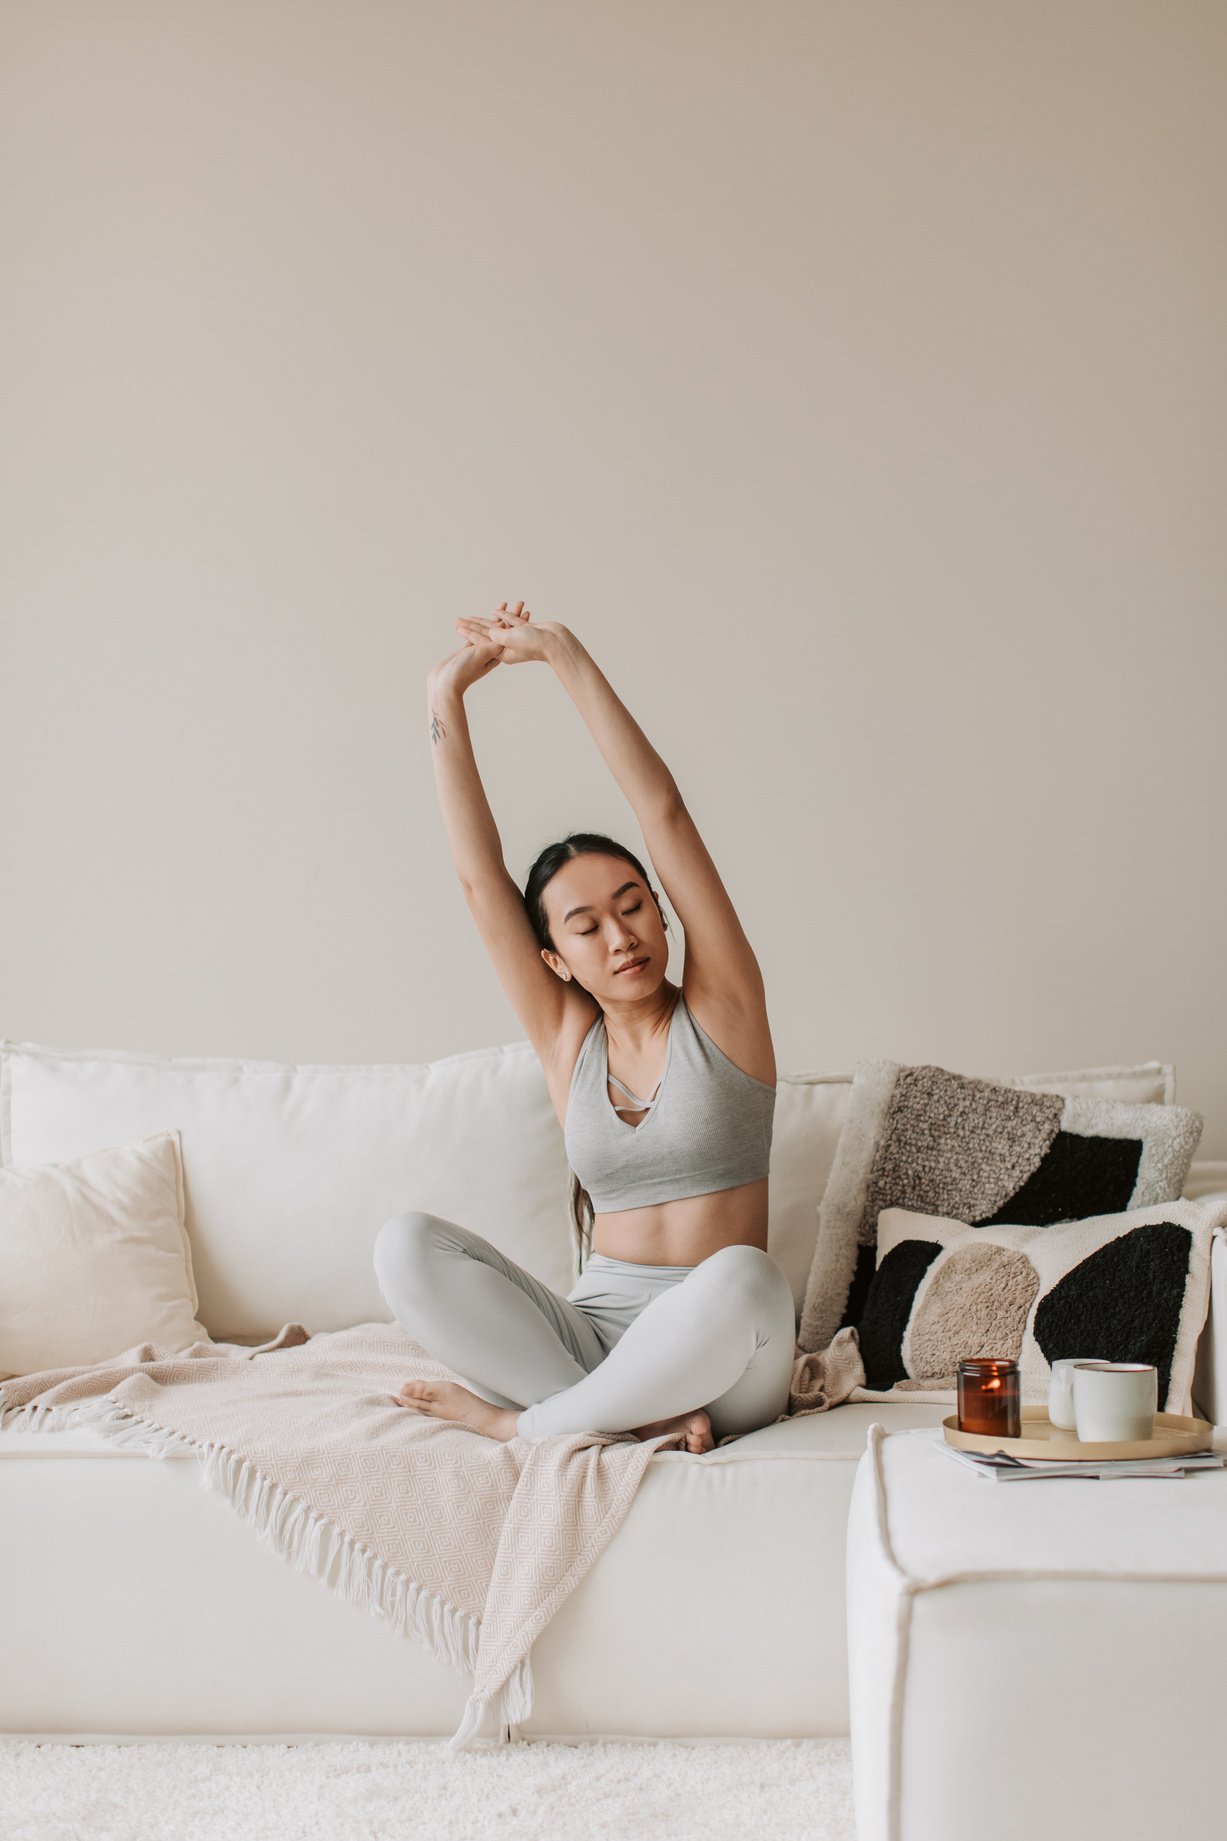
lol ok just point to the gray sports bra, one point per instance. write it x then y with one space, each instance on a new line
708 1126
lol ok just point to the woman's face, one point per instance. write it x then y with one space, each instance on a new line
602 918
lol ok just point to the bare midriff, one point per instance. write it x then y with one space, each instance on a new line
685 1232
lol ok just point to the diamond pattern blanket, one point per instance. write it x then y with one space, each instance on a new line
465 1541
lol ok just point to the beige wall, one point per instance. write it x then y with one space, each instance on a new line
850 378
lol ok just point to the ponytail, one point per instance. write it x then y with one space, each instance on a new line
582 1217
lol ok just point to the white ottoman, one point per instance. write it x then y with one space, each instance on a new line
1034 1659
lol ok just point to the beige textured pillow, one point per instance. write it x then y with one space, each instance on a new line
94 1257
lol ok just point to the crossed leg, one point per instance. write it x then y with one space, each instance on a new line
723 1339
713 1354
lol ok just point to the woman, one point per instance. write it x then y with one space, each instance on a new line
680 1319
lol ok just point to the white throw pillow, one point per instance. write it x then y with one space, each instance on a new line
94 1257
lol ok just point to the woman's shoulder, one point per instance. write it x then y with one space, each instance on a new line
580 1019
738 1025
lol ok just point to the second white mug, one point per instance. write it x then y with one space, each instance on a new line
1114 1401
1061 1390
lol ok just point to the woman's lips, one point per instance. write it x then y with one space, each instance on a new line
636 965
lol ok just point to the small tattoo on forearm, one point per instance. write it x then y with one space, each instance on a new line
438 729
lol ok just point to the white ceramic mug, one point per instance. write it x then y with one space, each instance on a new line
1114 1401
1061 1389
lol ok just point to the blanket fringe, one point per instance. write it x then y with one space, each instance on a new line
310 1542
515 1704
34 1416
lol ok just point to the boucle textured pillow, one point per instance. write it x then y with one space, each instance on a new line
1132 1287
94 1257
982 1152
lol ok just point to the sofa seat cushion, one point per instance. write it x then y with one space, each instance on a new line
716 1610
944 1521
842 1431
72 1441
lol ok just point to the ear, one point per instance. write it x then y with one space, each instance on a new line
556 965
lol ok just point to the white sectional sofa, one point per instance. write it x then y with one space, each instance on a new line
717 1610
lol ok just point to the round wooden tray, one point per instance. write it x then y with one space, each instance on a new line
1174 1434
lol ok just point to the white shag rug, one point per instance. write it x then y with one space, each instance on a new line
416 1790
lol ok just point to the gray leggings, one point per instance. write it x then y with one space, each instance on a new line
629 1344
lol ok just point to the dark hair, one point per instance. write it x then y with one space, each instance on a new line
545 868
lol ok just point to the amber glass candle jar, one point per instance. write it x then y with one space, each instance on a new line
989 1397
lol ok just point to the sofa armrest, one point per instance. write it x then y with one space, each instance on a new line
1210 1371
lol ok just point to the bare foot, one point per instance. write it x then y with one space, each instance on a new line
696 1425
449 1400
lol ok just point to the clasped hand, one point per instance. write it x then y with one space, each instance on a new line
517 636
510 638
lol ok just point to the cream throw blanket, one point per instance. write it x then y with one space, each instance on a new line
468 1542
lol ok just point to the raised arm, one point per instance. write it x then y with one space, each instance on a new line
541 1001
472 834
719 957
634 763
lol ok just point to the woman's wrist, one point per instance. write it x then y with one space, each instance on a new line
444 696
560 642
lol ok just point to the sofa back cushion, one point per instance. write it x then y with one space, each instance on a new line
291 1170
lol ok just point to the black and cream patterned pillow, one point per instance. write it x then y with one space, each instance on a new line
982 1152
1131 1287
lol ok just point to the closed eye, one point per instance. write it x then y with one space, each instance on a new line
633 910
